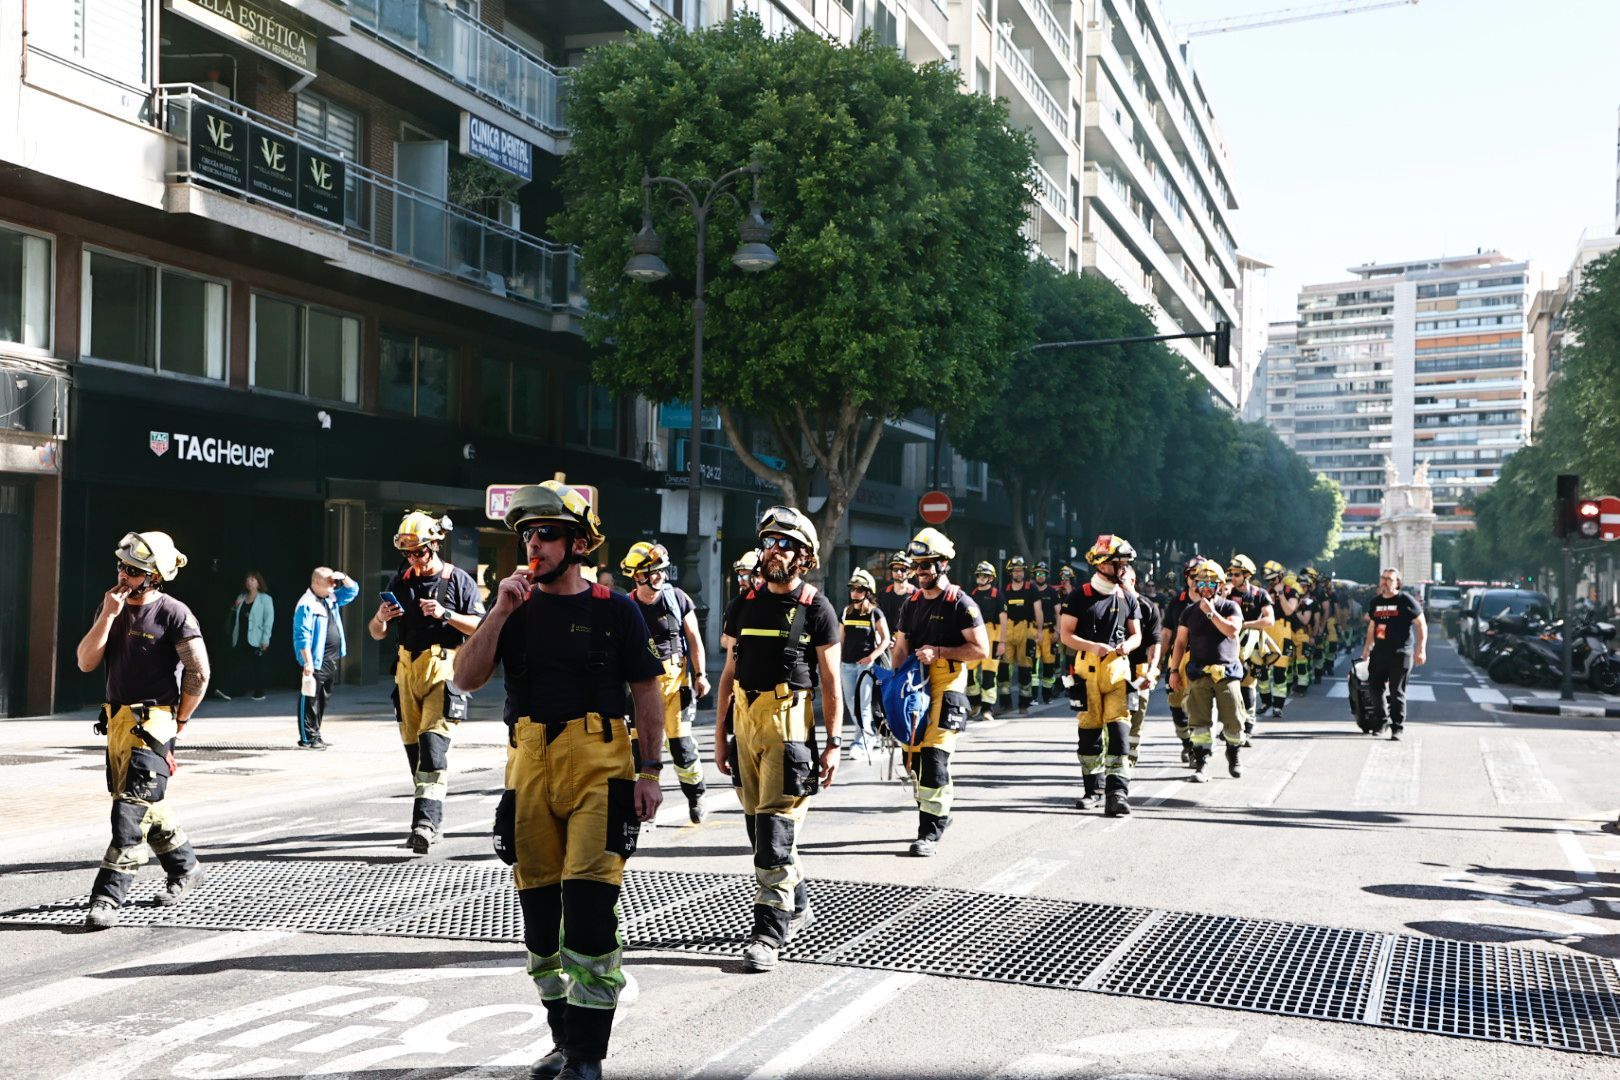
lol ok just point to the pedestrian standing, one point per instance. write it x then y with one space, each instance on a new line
157 673
866 639
318 645
252 620
574 799
1397 641
1207 669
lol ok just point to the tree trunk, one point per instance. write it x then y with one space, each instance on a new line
1043 501
1015 498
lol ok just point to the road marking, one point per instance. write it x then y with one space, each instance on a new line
1023 876
269 1033
834 1028
1339 690
83 987
1485 695
1515 775
1419 692
1575 855
1161 1040
347 1035
1390 776
1274 780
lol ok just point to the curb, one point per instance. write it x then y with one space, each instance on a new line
1546 707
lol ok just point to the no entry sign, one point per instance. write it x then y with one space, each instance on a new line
1609 517
934 507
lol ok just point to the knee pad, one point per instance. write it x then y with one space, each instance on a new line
773 845
412 753
126 822
1119 736
933 768
542 918
1248 697
1090 742
683 751
590 916
433 753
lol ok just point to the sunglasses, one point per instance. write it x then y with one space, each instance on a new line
127 570
419 552
544 532
780 543
930 565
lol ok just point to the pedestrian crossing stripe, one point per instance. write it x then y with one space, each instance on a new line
1414 691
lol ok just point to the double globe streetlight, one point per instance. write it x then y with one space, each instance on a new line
646 265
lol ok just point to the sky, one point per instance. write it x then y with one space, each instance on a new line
1414 131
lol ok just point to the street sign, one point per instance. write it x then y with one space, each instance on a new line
1609 517
934 507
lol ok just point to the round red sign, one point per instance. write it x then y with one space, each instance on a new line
934 507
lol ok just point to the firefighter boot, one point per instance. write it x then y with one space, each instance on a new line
581 1069
1092 797
1119 805
1232 765
548 1067
929 829
1200 758
697 807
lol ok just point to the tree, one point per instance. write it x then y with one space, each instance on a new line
898 204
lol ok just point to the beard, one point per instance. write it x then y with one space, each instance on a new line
778 573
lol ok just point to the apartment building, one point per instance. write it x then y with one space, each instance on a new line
1549 309
1271 400
1423 361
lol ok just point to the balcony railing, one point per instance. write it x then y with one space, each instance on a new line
377 212
1051 191
1031 83
1043 14
471 55
933 14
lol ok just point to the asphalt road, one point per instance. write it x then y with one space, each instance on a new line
1480 825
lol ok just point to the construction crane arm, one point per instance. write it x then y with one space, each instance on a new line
1255 20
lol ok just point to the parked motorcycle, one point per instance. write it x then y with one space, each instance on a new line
1531 654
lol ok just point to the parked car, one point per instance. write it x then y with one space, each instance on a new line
1481 605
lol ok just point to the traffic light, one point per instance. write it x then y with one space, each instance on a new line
1223 344
1586 524
1569 493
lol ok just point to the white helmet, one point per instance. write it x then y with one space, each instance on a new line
153 552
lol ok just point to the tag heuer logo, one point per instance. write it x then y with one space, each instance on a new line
159 442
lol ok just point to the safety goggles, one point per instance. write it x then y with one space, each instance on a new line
548 531
126 570
780 543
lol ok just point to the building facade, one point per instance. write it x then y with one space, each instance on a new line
1549 309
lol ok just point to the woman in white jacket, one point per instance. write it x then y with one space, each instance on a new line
253 617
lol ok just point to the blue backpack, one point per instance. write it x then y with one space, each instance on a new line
900 699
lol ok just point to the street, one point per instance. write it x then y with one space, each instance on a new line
322 947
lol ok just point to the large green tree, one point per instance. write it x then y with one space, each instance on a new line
898 203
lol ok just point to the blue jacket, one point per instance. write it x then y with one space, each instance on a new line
261 617
309 628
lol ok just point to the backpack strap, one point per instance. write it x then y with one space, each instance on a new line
793 651
603 658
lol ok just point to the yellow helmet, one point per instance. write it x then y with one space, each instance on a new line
1110 548
1274 570
1243 563
1290 584
931 544
644 557
788 521
1208 572
153 552
860 579
1066 573
747 563
419 527
901 559
553 500
985 569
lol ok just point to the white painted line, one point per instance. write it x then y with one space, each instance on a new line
1023 876
1159 1040
83 987
834 1028
1488 695
1169 792
347 1035
1419 692
1390 776
1274 779
1576 857
1339 690
269 1033
1515 775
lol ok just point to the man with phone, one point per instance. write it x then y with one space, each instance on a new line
318 645
437 605
1212 678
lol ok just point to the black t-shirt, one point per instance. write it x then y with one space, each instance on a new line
243 610
1206 645
1175 606
861 632
940 622
761 625
545 650
1019 603
1101 617
1148 612
458 592
329 658
143 663
1301 617
1392 621
890 602
1051 603
663 622
1253 600
989 600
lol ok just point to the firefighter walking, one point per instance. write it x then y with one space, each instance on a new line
982 674
1017 649
1207 669
1102 624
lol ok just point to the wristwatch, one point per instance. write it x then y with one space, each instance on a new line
835 741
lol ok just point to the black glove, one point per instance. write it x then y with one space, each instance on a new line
504 833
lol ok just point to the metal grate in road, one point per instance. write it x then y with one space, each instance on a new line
1416 984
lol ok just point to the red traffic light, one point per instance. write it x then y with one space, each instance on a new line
1586 512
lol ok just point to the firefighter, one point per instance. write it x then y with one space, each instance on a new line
746 569
787 638
1047 602
1102 624
1017 648
1145 661
672 619
157 674
982 674
1177 605
1275 678
943 627
438 606
574 799
866 639
899 587
1211 677
1065 586
1258 617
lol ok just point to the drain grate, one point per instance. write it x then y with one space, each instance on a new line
1397 981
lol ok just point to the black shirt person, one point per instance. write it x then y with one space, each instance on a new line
1397 641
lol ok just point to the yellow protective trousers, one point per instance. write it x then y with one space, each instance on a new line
1137 700
982 674
1102 688
1018 660
427 706
1046 652
777 773
928 760
140 761
1211 693
675 688
574 823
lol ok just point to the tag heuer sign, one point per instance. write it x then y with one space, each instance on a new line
159 442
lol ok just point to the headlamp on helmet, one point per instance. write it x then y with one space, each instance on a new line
420 527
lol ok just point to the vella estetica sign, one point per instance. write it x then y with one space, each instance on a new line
260 25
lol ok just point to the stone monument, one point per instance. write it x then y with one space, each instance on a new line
1406 524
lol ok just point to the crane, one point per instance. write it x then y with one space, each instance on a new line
1257 19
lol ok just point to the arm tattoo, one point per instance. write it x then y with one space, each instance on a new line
194 659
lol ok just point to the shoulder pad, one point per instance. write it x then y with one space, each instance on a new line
915 596
1086 589
751 594
807 595
951 594
994 592
601 592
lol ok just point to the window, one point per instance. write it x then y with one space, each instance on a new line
417 377
25 289
593 418
301 349
511 396
149 316
341 127
111 37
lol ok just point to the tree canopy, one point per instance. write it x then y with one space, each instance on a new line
898 204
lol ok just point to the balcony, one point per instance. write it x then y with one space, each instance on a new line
471 55
1040 99
362 209
1052 193
930 15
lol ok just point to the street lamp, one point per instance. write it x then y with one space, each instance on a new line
646 265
